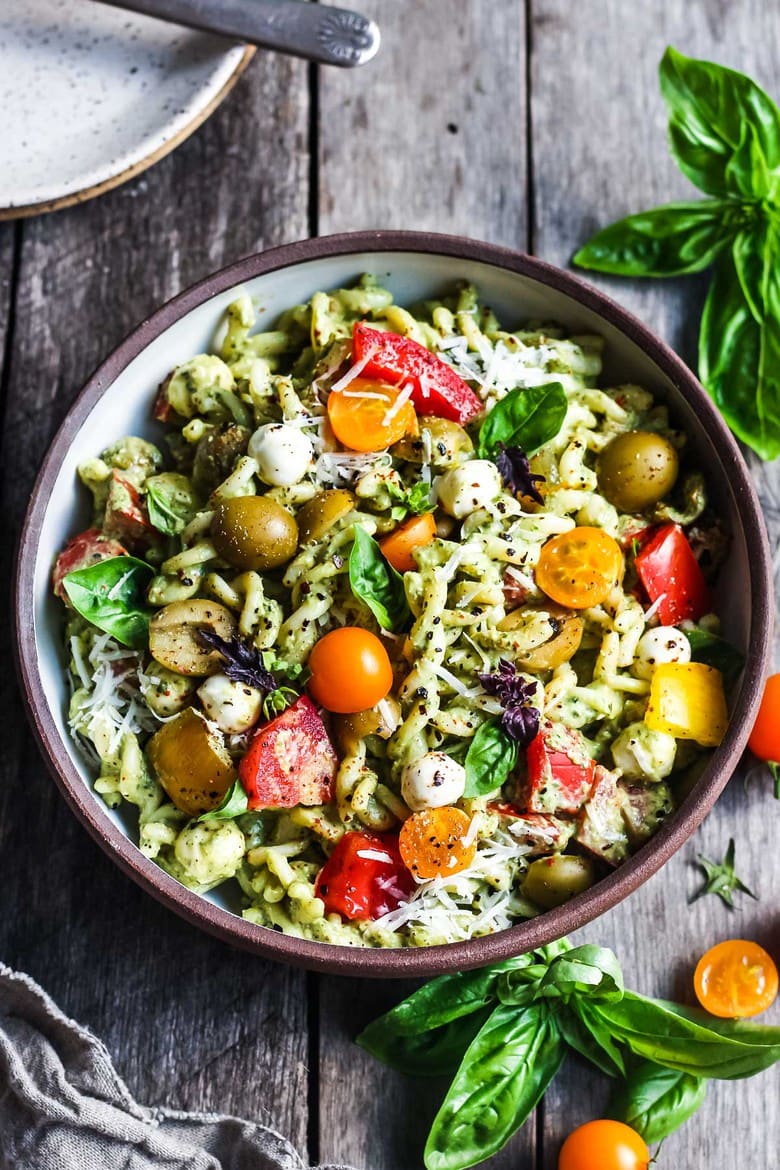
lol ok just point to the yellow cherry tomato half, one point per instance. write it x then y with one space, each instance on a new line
435 842
350 670
399 546
370 416
735 979
604 1145
580 568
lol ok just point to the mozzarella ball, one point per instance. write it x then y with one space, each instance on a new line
474 484
209 852
233 706
282 454
663 644
432 781
643 754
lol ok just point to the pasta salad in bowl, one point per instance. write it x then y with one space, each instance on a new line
395 625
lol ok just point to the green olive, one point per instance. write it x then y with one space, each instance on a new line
174 639
381 720
254 532
440 442
566 630
551 881
216 455
191 762
322 511
637 469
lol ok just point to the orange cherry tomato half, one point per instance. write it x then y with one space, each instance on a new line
764 739
734 979
604 1145
367 415
580 568
350 670
433 842
400 545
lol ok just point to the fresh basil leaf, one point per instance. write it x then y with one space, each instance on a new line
526 418
590 970
377 583
724 130
492 755
111 595
234 803
774 771
587 1034
714 651
665 241
664 1034
414 500
501 1079
655 1101
170 502
739 355
436 1052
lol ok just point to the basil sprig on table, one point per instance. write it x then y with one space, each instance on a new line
376 582
502 1033
111 594
724 133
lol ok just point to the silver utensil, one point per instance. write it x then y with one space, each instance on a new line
318 32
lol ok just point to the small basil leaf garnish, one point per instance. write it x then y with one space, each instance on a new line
526 418
112 596
377 583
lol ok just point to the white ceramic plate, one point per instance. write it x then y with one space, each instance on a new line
91 95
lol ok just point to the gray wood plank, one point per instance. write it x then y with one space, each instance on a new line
599 153
190 1022
431 136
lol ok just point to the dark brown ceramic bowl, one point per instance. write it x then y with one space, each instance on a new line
117 400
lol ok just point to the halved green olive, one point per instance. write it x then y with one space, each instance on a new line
173 635
637 469
216 455
551 881
191 762
321 512
440 442
254 532
566 630
381 720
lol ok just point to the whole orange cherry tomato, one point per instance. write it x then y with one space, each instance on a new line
369 416
435 842
580 568
350 670
764 739
604 1145
414 533
734 979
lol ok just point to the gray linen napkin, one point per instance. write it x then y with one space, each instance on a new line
63 1107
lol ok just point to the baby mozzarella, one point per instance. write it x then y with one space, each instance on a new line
663 644
474 484
644 754
282 454
233 706
432 781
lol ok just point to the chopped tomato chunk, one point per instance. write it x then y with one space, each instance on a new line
672 577
84 550
364 877
126 516
290 761
560 770
436 387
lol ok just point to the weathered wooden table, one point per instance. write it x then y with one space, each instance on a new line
527 124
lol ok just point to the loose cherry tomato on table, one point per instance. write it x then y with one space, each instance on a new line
399 546
350 670
580 568
764 739
604 1145
369 416
435 842
735 979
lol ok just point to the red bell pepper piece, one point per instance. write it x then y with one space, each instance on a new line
84 550
290 761
436 387
560 770
126 516
671 576
364 877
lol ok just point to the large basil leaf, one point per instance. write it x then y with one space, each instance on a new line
111 595
492 755
724 130
589 970
655 1101
503 1076
377 583
433 1053
661 1033
714 651
170 502
583 1031
526 418
665 241
739 353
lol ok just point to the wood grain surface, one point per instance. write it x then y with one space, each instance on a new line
527 124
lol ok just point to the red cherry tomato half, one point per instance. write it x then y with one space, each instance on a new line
364 877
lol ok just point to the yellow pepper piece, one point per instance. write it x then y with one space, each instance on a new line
687 701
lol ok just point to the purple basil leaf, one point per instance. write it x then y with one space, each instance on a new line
515 470
242 663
